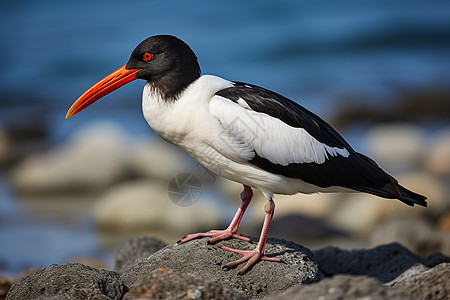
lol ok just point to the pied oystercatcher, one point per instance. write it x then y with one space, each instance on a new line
244 133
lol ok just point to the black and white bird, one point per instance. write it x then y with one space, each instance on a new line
244 133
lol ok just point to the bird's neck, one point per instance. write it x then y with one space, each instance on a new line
171 85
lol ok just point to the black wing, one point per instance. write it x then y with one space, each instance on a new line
356 171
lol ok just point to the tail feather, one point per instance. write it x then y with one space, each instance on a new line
411 198
406 196
391 190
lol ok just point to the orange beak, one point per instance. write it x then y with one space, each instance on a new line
105 86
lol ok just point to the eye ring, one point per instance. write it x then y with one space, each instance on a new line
147 56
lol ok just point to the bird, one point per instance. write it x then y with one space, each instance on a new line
245 133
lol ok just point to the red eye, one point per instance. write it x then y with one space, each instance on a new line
147 56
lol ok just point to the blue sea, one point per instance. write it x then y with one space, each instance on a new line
314 52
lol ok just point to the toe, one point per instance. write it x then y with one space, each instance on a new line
270 258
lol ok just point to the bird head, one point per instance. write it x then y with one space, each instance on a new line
164 61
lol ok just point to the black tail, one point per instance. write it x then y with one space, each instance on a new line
406 196
392 189
411 198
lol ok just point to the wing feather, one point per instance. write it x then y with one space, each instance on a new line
268 136
281 137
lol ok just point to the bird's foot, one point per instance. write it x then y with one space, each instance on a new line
251 256
216 235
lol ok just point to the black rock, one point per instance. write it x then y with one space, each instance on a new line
435 259
384 262
195 270
69 281
287 227
342 287
135 250
197 258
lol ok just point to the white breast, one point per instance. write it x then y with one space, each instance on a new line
186 122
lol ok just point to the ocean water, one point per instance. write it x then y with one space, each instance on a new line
314 52
51 51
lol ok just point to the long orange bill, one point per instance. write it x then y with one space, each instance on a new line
105 86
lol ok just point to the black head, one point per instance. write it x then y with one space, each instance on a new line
167 62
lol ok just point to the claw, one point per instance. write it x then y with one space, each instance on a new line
251 256
216 235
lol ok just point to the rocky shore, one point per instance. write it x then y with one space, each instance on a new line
333 246
195 270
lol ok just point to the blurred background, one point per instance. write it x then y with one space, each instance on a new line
73 190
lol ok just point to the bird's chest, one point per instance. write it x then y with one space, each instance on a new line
181 123
165 121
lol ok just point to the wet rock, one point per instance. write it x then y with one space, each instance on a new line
342 287
416 234
197 258
432 284
91 161
385 262
69 281
144 204
135 250
164 283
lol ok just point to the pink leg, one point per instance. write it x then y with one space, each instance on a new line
252 256
231 231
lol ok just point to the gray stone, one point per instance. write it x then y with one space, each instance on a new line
383 144
416 234
385 262
69 281
135 250
164 283
154 158
197 258
433 284
79 166
144 204
437 158
411 272
342 287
